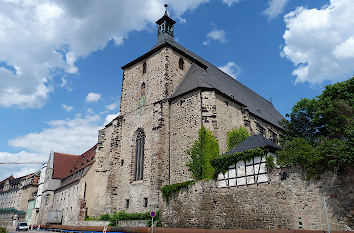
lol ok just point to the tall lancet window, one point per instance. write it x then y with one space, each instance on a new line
139 155
144 68
181 63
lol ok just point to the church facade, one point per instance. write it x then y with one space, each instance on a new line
167 94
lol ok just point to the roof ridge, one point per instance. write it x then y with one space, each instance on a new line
58 153
219 80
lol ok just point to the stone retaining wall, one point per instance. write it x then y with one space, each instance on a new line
287 201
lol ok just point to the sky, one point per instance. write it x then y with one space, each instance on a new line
60 75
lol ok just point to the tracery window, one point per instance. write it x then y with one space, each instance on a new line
181 63
261 129
273 136
139 155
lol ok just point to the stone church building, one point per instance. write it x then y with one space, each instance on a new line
168 93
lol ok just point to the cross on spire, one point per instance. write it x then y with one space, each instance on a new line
166 5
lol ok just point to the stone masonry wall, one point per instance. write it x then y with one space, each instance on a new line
68 200
231 115
101 198
91 189
144 106
185 121
160 80
217 113
280 204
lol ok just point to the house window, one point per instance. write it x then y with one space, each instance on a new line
144 67
249 172
181 63
139 155
126 203
145 202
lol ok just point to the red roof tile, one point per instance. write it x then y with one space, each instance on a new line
62 164
8 178
67 164
84 160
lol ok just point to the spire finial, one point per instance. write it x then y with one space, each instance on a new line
166 5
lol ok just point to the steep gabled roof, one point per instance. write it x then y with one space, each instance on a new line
8 178
253 142
216 79
62 164
193 79
84 160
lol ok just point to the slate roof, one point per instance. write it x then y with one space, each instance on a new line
203 74
253 142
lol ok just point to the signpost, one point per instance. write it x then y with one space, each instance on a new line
152 214
325 207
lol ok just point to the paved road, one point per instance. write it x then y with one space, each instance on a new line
13 230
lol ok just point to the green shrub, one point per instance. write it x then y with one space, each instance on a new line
3 230
105 217
122 215
204 149
168 190
270 162
235 136
329 155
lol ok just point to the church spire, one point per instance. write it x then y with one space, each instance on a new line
165 25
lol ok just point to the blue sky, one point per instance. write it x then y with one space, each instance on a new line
60 75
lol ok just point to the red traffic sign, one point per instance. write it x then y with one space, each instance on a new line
152 214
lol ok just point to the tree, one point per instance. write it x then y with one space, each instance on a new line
320 132
328 116
204 149
234 137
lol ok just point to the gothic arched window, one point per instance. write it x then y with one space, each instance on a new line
144 68
139 155
181 63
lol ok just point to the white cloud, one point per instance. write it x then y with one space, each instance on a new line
275 8
345 49
215 34
112 106
231 69
67 136
320 42
109 118
22 156
230 2
90 111
93 97
67 107
73 136
182 20
17 170
52 35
